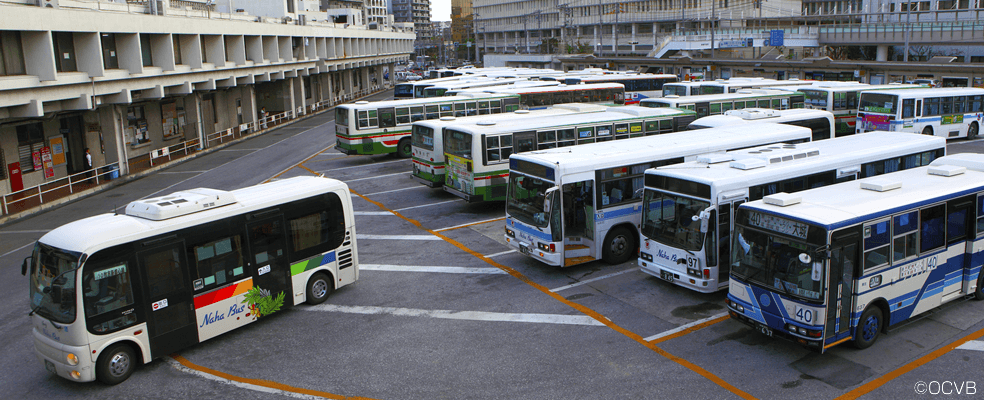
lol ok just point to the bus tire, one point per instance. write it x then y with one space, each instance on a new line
115 364
319 287
979 293
869 327
928 131
972 131
619 246
403 149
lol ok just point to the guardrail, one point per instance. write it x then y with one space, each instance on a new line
35 196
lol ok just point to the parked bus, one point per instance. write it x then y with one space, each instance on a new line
733 85
688 88
415 89
845 262
710 188
570 206
841 98
717 104
427 137
470 83
537 97
637 86
113 291
955 81
946 112
819 121
383 127
477 154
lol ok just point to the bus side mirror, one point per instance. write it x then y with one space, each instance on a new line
24 266
703 217
546 198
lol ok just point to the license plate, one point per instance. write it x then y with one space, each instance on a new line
50 366
765 330
524 249
668 276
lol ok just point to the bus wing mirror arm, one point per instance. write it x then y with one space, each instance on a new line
704 217
24 266
546 198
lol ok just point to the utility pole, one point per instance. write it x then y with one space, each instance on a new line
908 28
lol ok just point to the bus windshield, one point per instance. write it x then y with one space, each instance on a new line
668 219
675 89
341 116
815 98
458 144
773 261
422 137
711 89
53 283
434 92
525 199
879 103
403 90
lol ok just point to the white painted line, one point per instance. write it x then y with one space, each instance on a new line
592 280
500 254
397 190
180 172
422 268
975 345
366 165
176 365
371 177
470 223
397 237
682 327
426 205
17 249
461 315
372 213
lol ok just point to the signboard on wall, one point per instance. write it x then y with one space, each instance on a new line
57 144
775 37
49 166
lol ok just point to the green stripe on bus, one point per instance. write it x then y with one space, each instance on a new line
299 267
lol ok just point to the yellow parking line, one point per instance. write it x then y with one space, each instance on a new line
877 383
299 164
585 310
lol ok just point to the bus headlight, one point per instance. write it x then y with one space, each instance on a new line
646 256
510 233
72 359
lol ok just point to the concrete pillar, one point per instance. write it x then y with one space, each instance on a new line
250 104
197 113
119 112
392 72
882 53
290 103
366 83
347 83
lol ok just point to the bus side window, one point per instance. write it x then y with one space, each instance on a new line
107 286
980 215
957 219
218 262
932 228
315 225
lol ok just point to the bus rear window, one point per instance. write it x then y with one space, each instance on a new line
341 116
878 103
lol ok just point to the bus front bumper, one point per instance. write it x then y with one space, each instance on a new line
53 356
677 278
471 198
738 314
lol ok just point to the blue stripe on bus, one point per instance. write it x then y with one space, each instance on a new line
529 230
620 212
328 258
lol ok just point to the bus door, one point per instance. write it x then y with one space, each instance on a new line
725 220
267 261
840 287
167 288
578 216
702 109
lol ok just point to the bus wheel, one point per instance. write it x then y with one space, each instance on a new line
928 131
619 246
318 288
972 131
403 149
869 326
979 293
116 364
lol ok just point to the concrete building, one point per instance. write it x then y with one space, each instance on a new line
126 79
416 11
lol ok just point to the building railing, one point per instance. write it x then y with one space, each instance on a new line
38 195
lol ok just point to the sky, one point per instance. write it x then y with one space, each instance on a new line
440 10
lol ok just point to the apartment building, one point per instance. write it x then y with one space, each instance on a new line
124 79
